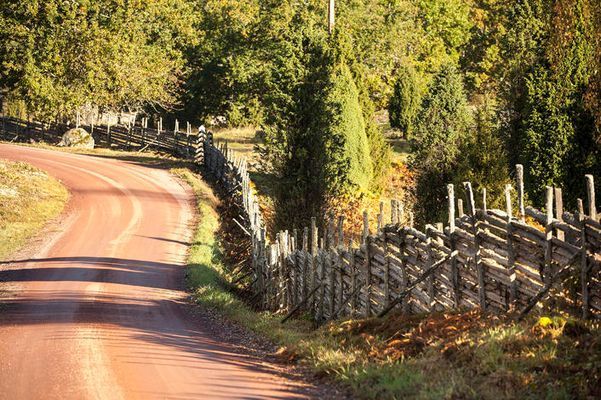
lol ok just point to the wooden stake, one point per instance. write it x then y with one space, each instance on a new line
549 233
484 207
365 227
452 239
340 238
380 216
559 212
314 249
520 182
508 207
477 257
590 191
513 288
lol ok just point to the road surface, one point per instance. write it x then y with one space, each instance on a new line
97 310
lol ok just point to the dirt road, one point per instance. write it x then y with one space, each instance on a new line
97 309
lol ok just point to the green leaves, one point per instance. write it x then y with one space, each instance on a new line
61 56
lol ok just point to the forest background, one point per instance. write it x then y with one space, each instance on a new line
402 97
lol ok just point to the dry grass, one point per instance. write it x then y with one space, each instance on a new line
28 199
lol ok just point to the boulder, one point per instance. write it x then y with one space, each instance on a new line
77 138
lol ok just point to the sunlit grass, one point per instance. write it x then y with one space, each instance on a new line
28 199
489 358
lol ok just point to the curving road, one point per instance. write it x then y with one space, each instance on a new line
96 309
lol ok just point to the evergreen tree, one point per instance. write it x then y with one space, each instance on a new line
443 124
405 101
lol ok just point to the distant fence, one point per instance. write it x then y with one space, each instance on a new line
485 258
131 137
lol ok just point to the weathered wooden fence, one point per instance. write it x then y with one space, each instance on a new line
485 258
131 137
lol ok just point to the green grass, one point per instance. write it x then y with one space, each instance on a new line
242 140
28 199
482 357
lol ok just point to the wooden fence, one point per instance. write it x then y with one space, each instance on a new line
131 137
485 258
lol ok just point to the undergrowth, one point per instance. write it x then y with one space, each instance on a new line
455 355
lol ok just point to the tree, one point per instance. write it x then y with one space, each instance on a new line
442 128
59 56
405 101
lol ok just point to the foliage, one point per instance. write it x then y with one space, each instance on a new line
443 125
483 160
405 101
319 146
60 56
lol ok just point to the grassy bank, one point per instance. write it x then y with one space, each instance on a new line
455 355
28 199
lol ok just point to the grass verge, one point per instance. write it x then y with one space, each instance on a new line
28 199
459 355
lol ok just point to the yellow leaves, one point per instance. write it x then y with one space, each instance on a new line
545 322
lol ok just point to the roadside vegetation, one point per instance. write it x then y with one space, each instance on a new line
462 354
29 198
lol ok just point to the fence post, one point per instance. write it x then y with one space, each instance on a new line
429 263
583 261
314 251
559 212
144 127
585 267
513 289
199 157
548 234
452 244
590 191
331 264
108 133
477 258
340 246
366 241
305 269
519 168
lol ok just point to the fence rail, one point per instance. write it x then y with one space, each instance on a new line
131 137
486 258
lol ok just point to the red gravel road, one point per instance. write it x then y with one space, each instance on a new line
97 309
